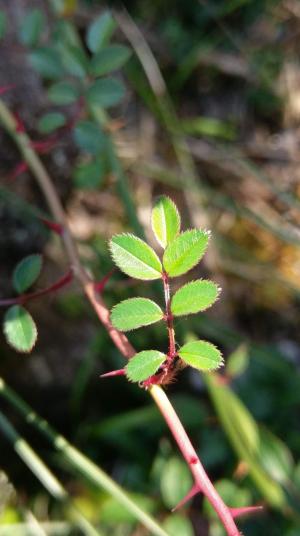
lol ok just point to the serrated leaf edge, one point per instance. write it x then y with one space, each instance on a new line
143 325
207 369
131 235
206 232
11 344
165 233
219 290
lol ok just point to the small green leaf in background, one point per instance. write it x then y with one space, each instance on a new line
165 220
143 365
201 355
178 525
46 61
75 61
63 93
109 59
194 297
90 175
238 361
275 456
26 272
105 92
134 313
32 27
19 329
185 251
3 23
176 481
50 122
134 257
100 31
111 511
89 137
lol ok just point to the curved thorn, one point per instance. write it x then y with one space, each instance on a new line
237 512
194 490
119 372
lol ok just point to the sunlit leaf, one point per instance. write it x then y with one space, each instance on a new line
144 364
50 122
238 361
19 329
63 93
32 27
26 272
165 220
47 62
194 297
105 92
134 257
134 313
201 355
185 251
176 481
100 31
89 137
109 59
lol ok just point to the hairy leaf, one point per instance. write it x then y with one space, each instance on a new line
63 93
165 221
194 297
50 122
26 272
201 355
134 313
19 329
105 92
109 59
89 137
185 251
31 28
100 31
143 365
134 257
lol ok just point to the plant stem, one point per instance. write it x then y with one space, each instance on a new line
169 317
119 339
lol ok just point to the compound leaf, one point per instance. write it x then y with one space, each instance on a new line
185 251
194 297
165 220
144 364
19 329
26 272
134 257
105 92
100 31
201 355
63 93
109 59
134 313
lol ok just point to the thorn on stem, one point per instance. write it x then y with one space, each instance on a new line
119 372
55 227
194 490
99 285
238 512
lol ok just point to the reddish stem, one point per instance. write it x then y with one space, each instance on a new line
169 317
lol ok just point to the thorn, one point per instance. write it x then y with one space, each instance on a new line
55 227
19 169
99 285
195 489
237 512
119 372
20 127
5 89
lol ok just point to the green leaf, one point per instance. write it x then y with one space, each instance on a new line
105 92
143 365
32 27
63 93
185 251
100 31
165 221
134 257
19 329
176 481
194 297
90 175
237 362
46 61
74 60
109 59
3 22
89 137
201 355
134 313
26 272
178 525
50 122
275 457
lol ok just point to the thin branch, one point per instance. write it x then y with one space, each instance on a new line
119 339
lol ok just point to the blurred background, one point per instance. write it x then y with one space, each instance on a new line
209 114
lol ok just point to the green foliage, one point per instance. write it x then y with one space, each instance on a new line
144 364
89 137
237 362
3 24
74 60
201 355
184 252
32 27
63 93
51 122
165 221
47 62
105 92
19 329
134 313
134 257
194 297
26 272
100 31
178 525
109 59
90 174
176 481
